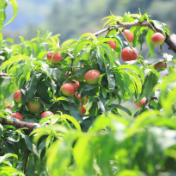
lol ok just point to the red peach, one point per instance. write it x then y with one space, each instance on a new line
46 113
92 76
17 96
143 101
68 89
34 106
157 38
17 115
129 54
128 34
56 58
112 44
82 109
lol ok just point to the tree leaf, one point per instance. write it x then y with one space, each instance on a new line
122 108
15 11
149 42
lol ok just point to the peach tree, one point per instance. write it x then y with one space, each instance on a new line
62 105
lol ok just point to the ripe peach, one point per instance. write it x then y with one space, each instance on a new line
92 76
128 34
17 96
82 109
17 115
34 106
157 38
55 59
129 54
46 113
160 65
143 101
68 89
112 44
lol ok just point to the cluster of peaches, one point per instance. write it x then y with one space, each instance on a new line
67 89
91 77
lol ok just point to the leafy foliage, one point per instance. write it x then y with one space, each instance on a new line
103 141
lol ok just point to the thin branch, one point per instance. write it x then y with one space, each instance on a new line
18 123
65 56
151 26
4 74
170 41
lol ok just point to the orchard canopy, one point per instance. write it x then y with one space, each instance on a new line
62 105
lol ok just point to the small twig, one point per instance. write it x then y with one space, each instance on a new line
65 57
107 32
151 26
72 65
70 69
67 74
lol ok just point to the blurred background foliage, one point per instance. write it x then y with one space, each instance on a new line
71 18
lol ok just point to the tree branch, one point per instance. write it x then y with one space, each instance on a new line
170 41
4 74
18 123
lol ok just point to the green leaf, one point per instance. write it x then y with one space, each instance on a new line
89 87
149 42
111 82
79 48
149 83
131 173
161 26
1 130
3 5
67 42
4 157
13 60
60 99
91 36
59 155
137 81
9 171
154 104
100 78
134 68
73 120
75 113
101 106
100 56
1 39
15 11
121 107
